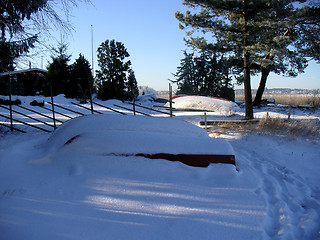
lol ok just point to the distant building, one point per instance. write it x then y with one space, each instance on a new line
27 82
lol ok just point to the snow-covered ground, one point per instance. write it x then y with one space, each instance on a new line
53 190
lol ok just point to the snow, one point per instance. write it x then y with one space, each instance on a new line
116 134
50 189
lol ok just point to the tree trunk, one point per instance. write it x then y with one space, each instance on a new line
247 88
247 80
264 75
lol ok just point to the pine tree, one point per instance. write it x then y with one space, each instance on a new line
59 71
132 86
112 76
236 27
299 25
13 41
81 79
205 75
260 33
307 28
213 82
21 23
245 29
225 66
200 73
185 75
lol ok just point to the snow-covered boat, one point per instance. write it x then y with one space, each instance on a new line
153 138
202 103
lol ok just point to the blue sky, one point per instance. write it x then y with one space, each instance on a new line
151 34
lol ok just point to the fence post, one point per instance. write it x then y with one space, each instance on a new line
10 103
205 120
289 113
134 106
170 99
52 105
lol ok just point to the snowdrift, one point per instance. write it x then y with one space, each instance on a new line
186 102
154 138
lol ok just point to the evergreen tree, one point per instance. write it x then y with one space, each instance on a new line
13 41
260 33
300 27
226 67
200 73
81 80
241 28
59 72
21 20
185 75
132 86
307 28
112 76
206 75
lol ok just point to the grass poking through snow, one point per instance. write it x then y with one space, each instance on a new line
309 129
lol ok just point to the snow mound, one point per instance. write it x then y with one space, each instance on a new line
204 103
113 134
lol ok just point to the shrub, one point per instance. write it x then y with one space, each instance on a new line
7 102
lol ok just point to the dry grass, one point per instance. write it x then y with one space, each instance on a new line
291 99
165 96
306 128
303 128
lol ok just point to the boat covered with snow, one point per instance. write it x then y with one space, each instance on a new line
152 138
203 103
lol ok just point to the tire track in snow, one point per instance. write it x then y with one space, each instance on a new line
292 209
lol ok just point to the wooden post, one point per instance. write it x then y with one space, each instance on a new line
91 101
170 99
205 120
10 104
52 105
134 106
133 101
289 113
